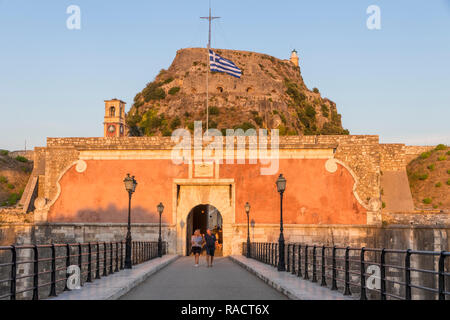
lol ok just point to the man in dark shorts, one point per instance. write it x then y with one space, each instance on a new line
210 245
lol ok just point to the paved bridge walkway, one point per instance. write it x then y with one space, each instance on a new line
225 281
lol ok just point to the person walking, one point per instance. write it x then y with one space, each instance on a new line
210 241
196 242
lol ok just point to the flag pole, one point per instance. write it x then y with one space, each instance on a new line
210 18
207 91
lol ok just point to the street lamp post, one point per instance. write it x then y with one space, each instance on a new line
281 186
130 186
247 210
160 210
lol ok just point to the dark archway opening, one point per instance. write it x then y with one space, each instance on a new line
204 217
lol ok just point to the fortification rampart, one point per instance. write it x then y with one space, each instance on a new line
376 167
360 153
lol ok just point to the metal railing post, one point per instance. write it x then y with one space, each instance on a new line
287 257
347 272
67 265
323 281
293 259
117 257
35 273
408 275
146 250
314 278
121 255
305 272
111 258
299 260
89 275
363 276
53 273
105 253
13 273
264 252
441 280
97 265
259 251
276 254
333 270
138 244
383 274
80 262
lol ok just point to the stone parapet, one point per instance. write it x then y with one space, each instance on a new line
412 152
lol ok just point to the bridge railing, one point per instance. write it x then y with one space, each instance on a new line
40 271
365 273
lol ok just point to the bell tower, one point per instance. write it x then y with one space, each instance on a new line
294 58
114 121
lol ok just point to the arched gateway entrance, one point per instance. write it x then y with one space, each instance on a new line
205 217
191 197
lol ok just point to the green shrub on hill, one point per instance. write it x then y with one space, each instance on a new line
325 110
13 199
133 124
26 169
3 179
441 147
442 158
174 90
151 121
294 91
425 155
245 126
258 120
427 201
21 159
175 123
214 111
310 111
431 167
4 152
213 124
153 92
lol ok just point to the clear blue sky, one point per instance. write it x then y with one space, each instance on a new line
394 82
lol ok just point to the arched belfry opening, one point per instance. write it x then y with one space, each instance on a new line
204 217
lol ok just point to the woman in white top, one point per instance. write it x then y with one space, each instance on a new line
196 242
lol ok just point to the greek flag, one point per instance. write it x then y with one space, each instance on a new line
219 64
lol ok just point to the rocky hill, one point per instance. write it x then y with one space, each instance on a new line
429 179
271 94
14 175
